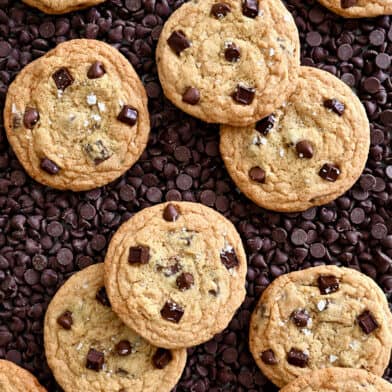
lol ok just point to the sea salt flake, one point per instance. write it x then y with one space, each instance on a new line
79 346
332 358
281 152
354 345
271 52
306 332
13 109
96 117
60 93
321 305
101 106
91 99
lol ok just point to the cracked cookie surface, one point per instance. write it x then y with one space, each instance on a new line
359 8
229 62
16 379
318 318
89 348
77 117
338 380
175 273
306 153
61 6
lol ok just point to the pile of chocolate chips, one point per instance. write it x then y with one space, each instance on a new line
46 235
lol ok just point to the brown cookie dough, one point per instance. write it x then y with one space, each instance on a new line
175 273
230 62
89 348
61 6
338 380
359 8
77 117
317 318
16 379
307 153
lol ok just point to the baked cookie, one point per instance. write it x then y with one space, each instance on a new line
338 380
359 8
77 117
61 6
89 348
306 153
320 317
229 62
175 273
16 379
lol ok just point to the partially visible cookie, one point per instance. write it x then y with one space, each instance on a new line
61 6
230 62
16 379
175 273
77 117
89 348
338 380
320 317
359 8
306 153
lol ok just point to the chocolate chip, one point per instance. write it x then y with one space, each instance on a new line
49 166
139 255
329 172
328 284
162 358
128 115
232 52
178 41
65 320
348 3
367 322
300 317
30 118
97 70
297 358
229 258
98 152
170 269
63 78
304 149
268 357
123 348
171 213
250 8
220 10
185 281
266 124
191 96
257 174
243 94
102 297
335 105
172 311
95 360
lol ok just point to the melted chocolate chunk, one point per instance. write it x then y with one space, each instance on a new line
30 118
65 320
139 255
266 124
335 105
229 258
329 172
162 358
243 94
170 213
191 96
128 115
185 281
300 318
250 8
49 166
257 174
348 3
172 312
304 149
297 358
97 70
328 284
102 297
95 360
220 10
171 269
367 322
62 78
123 348
98 152
232 53
268 357
178 41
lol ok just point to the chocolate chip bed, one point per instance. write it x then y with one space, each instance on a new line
46 235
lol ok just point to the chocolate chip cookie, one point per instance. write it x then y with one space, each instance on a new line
306 153
61 6
230 62
339 380
77 117
320 317
359 8
89 348
175 273
16 379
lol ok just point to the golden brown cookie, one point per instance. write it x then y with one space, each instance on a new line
16 379
89 348
61 6
306 153
77 117
320 317
338 380
175 273
230 62
359 8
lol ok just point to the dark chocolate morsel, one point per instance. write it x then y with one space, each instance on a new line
250 8
191 96
300 317
170 213
95 360
328 284
30 118
348 3
172 311
257 174
162 358
178 41
335 105
329 172
367 322
98 152
229 258
97 70
268 357
102 297
62 78
139 255
304 149
65 320
243 94
185 281
266 124
49 166
232 52
123 348
297 358
128 115
220 10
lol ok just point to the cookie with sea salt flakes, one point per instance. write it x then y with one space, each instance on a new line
230 61
61 6
90 349
359 8
320 317
77 117
175 273
16 379
307 153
